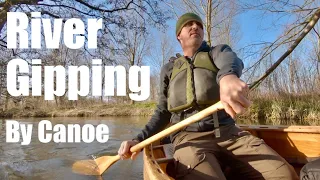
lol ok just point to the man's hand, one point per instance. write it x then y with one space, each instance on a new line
124 150
233 95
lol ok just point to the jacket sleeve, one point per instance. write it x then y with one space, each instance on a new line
226 61
161 116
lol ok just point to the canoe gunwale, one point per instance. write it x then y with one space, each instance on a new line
151 169
301 129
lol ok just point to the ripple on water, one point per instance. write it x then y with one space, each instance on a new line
54 160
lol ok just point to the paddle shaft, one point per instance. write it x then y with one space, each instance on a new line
182 124
105 162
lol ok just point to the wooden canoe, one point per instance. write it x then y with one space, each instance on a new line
297 144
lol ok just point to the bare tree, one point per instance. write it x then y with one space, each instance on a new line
297 15
218 16
314 57
160 54
135 46
117 15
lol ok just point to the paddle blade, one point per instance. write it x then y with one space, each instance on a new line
104 162
94 167
86 167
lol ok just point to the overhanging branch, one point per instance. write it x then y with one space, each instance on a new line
104 10
307 29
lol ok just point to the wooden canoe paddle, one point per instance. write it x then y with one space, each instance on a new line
101 164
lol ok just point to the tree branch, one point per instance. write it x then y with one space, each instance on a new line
316 32
104 10
69 7
310 25
268 51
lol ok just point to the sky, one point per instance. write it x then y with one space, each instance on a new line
251 27
254 28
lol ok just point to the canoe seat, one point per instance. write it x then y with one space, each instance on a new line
168 151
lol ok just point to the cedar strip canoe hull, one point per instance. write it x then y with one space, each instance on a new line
297 144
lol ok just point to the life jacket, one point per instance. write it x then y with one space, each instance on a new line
193 83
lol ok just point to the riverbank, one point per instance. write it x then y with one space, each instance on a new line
138 109
285 110
295 110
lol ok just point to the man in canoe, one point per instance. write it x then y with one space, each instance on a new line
201 77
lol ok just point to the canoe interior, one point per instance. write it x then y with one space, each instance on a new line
153 170
297 144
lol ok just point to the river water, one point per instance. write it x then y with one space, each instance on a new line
54 160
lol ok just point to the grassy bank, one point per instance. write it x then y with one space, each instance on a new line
295 110
138 109
285 109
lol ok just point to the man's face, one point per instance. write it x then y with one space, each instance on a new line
191 34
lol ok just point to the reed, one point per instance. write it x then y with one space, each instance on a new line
271 109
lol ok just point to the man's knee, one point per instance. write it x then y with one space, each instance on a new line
284 172
198 166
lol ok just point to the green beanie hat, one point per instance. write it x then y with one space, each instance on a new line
184 19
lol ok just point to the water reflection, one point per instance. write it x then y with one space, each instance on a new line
54 160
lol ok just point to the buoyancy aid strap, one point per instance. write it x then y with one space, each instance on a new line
216 125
